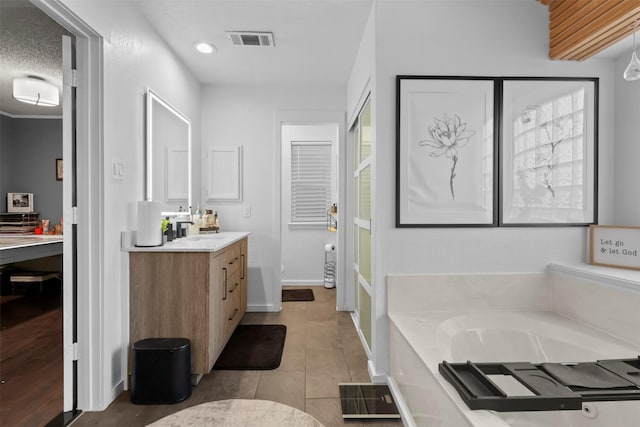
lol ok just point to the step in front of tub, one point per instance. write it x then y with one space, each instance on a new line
523 386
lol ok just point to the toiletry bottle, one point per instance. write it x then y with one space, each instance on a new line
198 220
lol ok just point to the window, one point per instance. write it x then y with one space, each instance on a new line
310 182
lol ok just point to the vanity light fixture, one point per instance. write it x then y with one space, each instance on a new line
36 91
632 72
204 47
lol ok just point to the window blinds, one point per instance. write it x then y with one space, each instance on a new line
310 181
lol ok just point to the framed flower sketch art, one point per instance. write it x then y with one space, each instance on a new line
445 152
549 151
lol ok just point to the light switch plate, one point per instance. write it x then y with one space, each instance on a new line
246 211
117 169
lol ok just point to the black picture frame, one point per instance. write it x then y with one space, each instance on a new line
446 146
548 151
531 186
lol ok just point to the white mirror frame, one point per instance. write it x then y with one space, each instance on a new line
151 98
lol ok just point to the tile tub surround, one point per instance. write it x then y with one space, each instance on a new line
464 292
604 298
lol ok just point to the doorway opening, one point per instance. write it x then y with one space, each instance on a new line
37 266
309 190
311 176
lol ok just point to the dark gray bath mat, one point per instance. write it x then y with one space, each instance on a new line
253 347
297 295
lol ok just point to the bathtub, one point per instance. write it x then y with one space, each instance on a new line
420 341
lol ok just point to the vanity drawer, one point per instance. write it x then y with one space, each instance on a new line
232 259
232 304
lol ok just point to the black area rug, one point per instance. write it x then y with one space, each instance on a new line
297 295
253 347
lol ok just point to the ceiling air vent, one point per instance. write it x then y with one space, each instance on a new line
251 38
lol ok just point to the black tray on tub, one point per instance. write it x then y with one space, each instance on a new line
548 386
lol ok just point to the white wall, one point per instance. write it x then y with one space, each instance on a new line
303 246
361 78
627 152
246 116
483 39
135 58
28 164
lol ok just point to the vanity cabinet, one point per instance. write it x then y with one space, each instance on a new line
196 295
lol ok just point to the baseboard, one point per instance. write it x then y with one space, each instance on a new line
403 408
117 390
302 283
262 308
376 378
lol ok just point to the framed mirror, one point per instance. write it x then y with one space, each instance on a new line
168 154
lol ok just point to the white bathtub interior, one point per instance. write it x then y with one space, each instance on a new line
499 326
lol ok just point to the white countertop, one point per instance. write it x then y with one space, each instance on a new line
198 243
16 241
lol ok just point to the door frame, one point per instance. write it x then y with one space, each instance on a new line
89 327
309 118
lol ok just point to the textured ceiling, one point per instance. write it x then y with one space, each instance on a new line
30 44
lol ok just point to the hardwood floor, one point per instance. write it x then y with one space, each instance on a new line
321 350
31 359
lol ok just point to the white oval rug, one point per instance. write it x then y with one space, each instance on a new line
240 413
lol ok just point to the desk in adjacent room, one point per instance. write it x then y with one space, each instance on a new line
15 248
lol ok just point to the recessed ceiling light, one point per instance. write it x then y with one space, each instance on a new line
36 91
204 47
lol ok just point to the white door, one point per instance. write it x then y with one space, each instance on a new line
68 203
362 256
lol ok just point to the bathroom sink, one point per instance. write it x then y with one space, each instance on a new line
206 237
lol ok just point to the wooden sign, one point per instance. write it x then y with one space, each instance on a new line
615 246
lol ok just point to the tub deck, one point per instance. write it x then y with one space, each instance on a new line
459 336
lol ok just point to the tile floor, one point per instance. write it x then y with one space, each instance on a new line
321 350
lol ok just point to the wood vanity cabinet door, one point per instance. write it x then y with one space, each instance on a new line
169 298
201 296
217 315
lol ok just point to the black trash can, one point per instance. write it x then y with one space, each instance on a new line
160 371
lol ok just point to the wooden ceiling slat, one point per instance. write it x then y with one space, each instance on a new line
608 38
559 6
576 17
592 24
570 12
589 50
593 27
